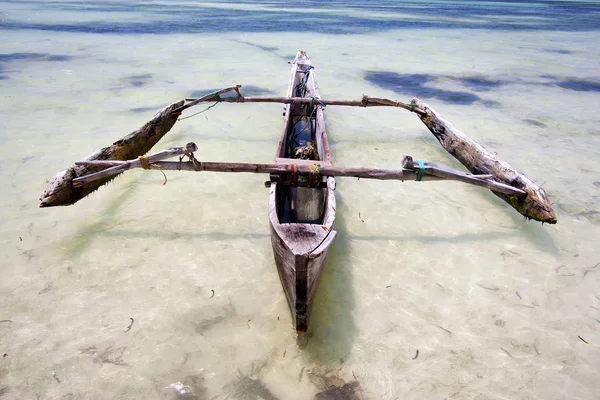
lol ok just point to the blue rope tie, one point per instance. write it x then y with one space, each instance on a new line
421 170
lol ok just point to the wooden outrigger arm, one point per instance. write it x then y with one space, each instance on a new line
412 170
522 193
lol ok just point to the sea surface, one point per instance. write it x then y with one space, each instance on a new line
432 290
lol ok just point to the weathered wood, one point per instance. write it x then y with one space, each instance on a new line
300 249
365 102
478 160
117 167
60 190
215 96
432 171
452 174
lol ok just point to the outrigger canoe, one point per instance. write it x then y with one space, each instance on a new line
302 208
302 204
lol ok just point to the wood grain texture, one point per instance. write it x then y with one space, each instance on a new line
535 205
60 191
300 249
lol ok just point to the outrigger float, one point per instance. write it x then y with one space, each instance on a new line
302 205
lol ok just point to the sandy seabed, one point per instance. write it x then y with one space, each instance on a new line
431 290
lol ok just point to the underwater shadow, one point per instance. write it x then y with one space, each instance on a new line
138 80
5 57
83 239
533 231
573 83
332 329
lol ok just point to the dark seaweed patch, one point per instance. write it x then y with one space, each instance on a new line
333 387
559 51
208 323
572 83
480 83
220 316
535 122
270 49
579 85
33 57
416 85
247 388
346 392
139 80
491 103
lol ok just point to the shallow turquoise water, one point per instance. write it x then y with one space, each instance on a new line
493 303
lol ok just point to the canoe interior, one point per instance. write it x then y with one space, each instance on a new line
303 129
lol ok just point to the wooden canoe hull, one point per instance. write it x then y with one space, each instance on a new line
300 272
301 219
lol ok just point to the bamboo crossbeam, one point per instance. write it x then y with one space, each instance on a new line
449 173
209 97
116 167
366 101
431 171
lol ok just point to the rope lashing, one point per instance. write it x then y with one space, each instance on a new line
294 177
421 170
365 101
217 101
144 162
412 106
240 98
318 101
189 151
300 89
314 177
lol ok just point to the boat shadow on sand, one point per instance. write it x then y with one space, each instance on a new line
332 329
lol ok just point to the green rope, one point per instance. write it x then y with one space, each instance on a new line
301 87
421 170
412 106
217 101
200 112
318 100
